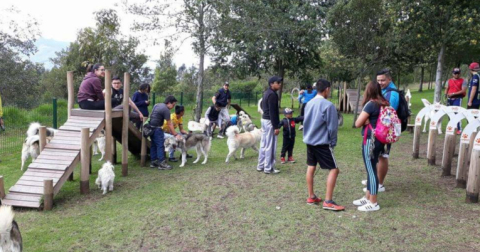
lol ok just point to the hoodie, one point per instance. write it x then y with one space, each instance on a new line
90 89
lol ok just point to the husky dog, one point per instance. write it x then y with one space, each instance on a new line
105 178
201 142
244 122
99 144
10 236
244 140
199 126
427 117
30 148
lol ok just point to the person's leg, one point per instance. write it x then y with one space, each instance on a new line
302 111
161 145
458 102
261 152
153 146
269 147
2 124
285 146
290 148
310 175
331 180
382 165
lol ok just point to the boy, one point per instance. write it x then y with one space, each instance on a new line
212 115
288 124
177 121
320 135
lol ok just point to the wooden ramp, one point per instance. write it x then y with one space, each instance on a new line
134 136
57 161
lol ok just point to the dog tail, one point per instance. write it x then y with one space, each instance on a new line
232 131
6 219
259 107
32 139
33 129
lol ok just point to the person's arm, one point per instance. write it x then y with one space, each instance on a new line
138 102
300 96
473 92
207 112
394 99
180 127
273 112
229 99
97 88
281 123
132 104
362 119
332 124
299 119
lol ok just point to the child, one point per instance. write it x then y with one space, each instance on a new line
177 121
288 124
226 124
212 114
140 98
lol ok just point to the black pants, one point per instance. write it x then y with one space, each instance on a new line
225 127
302 111
92 105
288 144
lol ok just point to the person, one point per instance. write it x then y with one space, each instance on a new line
177 122
473 97
90 95
320 135
270 127
117 100
2 123
371 148
232 122
223 98
212 114
384 79
304 98
455 91
160 115
288 124
140 98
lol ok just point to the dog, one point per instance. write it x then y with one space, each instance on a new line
106 176
198 126
244 122
408 97
99 145
201 142
427 117
10 236
34 129
30 148
259 106
245 140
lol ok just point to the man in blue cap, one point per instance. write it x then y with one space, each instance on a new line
270 126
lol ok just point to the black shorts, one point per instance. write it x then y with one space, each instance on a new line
321 154
385 153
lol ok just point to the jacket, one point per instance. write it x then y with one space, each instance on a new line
288 125
90 89
270 107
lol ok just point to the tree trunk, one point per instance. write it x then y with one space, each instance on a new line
281 73
438 79
358 102
421 79
201 40
431 77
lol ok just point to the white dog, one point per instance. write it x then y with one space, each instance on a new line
30 148
259 106
408 97
244 122
199 126
34 129
99 145
106 176
244 140
10 236
201 142
427 117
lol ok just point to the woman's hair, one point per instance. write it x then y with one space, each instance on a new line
144 87
92 67
373 92
179 109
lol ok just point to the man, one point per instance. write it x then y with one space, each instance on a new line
222 98
455 91
320 127
473 99
160 114
270 127
389 91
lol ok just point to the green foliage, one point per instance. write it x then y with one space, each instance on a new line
165 73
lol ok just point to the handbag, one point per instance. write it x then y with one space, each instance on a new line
148 129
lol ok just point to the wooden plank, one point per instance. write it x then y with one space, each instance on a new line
85 119
27 189
29 183
88 113
63 146
67 133
81 124
32 178
43 173
73 138
65 141
60 151
50 161
23 197
71 128
84 122
55 157
48 166
17 203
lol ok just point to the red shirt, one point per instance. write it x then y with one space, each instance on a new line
454 85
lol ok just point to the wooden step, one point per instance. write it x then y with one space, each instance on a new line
21 203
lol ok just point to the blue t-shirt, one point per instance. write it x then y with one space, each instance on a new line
474 83
392 96
233 119
373 109
307 96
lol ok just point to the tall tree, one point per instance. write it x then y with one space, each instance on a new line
195 19
165 72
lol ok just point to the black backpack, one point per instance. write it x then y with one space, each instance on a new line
402 111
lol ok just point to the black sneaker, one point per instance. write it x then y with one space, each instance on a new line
154 164
164 166
172 159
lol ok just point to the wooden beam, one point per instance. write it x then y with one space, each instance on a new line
108 116
47 194
71 93
416 140
126 120
431 149
143 150
85 161
2 188
43 137
473 183
448 151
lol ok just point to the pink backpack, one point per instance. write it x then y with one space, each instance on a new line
389 126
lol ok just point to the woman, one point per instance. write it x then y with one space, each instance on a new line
371 148
140 98
90 94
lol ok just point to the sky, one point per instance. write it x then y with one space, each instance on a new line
60 20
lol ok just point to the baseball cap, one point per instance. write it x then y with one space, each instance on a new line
474 66
456 70
275 79
288 111
226 83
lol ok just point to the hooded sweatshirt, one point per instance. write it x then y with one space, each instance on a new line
320 124
90 89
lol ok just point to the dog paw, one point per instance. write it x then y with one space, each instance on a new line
181 165
195 162
204 162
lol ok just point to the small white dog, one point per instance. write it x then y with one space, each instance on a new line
106 176
10 236
34 129
244 122
198 126
427 117
244 140
30 148
99 145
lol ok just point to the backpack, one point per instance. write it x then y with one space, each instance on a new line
403 112
389 127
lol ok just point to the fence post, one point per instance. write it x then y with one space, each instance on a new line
85 162
153 99
181 98
2 188
71 98
54 123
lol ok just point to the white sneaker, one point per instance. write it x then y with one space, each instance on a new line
276 171
381 188
364 182
361 202
370 207
219 136
300 128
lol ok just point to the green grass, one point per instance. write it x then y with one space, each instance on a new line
219 207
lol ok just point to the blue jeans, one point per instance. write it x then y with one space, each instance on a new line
455 102
157 146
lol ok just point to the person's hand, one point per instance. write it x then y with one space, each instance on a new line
367 122
147 102
469 104
184 132
301 91
141 116
178 137
276 132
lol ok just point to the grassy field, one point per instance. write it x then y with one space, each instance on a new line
220 207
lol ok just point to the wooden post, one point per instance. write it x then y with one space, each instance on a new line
71 93
431 151
85 161
126 121
42 132
416 141
464 155
448 152
47 194
473 184
108 116
2 188
345 96
143 150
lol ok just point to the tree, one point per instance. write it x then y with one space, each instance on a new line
278 37
165 72
194 19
